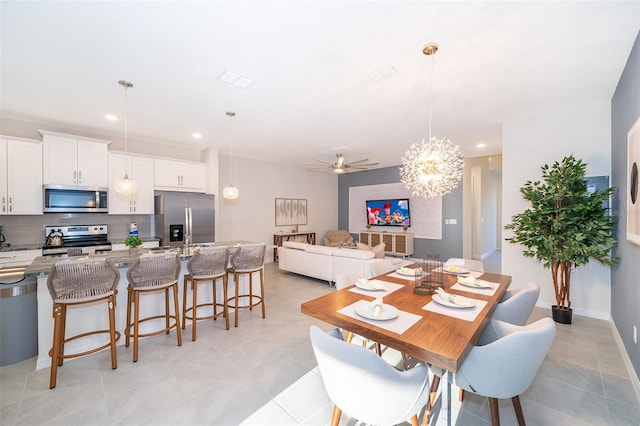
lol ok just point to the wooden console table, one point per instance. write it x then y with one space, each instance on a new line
310 238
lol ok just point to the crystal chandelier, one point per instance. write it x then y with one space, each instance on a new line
126 186
230 192
431 168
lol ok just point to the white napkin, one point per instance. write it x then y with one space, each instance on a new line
470 280
410 271
453 298
376 307
474 282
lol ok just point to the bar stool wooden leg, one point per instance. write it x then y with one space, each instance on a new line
111 304
262 292
175 305
225 306
184 301
194 291
136 324
236 277
55 350
167 320
128 328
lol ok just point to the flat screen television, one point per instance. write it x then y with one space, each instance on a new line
392 212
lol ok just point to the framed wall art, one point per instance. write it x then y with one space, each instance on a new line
291 211
633 196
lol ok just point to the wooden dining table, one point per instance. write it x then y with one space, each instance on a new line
437 339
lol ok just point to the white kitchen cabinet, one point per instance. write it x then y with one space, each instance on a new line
138 168
175 175
394 243
20 176
74 160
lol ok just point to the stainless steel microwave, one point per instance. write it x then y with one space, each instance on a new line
75 199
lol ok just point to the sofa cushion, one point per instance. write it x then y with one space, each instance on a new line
353 254
310 248
295 245
378 251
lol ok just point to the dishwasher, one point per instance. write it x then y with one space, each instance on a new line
18 315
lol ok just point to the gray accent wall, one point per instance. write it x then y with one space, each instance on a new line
451 243
625 277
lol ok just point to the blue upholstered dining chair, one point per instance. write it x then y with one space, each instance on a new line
364 386
505 367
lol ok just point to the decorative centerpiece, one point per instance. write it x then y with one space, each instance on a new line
133 242
430 277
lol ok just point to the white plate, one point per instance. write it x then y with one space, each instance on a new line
456 270
475 284
461 301
388 312
371 285
408 271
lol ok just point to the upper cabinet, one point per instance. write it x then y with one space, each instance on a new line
20 176
179 175
139 169
74 160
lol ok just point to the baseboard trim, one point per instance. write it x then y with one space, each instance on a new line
635 381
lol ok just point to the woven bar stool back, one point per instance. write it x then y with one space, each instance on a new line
151 273
247 260
207 265
79 281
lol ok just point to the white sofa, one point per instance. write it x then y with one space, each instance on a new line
325 263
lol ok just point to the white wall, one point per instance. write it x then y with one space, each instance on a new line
252 215
528 144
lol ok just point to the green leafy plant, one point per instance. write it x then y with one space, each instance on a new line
566 225
368 225
133 241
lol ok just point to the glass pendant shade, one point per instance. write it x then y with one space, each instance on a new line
230 192
125 186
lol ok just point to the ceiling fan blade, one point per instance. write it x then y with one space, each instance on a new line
359 161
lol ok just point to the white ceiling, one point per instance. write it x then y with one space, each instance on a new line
309 60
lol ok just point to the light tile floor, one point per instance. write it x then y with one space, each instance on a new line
263 373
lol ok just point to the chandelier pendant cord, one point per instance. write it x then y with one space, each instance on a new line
431 96
230 151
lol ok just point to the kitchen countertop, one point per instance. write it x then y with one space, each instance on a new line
121 258
38 246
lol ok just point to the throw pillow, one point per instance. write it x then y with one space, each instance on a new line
362 246
378 251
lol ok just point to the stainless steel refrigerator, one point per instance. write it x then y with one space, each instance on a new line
184 218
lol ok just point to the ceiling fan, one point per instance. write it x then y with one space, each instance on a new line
340 166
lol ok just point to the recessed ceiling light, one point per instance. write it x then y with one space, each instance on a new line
197 135
481 145
235 79
111 117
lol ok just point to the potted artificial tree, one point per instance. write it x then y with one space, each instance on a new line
565 226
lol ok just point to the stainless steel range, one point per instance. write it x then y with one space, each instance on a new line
75 239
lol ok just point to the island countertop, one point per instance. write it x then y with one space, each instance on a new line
121 258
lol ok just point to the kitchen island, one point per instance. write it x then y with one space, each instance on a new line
94 316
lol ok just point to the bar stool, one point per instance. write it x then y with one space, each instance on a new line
75 282
248 259
152 273
208 264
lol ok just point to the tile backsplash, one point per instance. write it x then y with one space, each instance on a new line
29 230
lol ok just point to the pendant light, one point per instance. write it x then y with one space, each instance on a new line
432 168
230 192
126 186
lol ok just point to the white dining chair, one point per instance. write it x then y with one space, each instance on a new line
381 266
364 386
345 279
505 367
